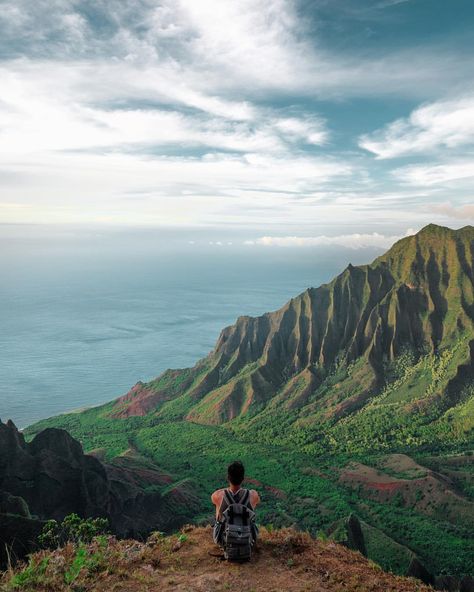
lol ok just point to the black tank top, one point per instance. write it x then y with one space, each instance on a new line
237 496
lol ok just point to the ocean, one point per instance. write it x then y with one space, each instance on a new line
85 315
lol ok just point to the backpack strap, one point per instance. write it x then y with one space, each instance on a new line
229 497
245 498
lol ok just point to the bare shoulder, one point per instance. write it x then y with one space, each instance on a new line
254 497
217 495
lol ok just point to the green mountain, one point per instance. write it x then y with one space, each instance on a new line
389 342
354 397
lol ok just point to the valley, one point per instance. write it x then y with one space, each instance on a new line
355 398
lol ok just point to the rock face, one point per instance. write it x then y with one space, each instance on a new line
18 536
348 532
52 474
51 477
417 570
355 537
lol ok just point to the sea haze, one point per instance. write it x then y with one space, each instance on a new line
86 314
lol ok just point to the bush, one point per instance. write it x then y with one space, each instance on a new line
72 529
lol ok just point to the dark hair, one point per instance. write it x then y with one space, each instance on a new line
235 472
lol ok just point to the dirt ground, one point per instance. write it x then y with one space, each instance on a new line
285 560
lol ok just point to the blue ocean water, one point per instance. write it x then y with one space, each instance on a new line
83 318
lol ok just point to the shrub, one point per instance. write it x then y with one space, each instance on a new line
72 529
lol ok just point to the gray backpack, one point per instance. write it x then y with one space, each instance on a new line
239 529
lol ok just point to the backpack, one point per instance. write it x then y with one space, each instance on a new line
238 527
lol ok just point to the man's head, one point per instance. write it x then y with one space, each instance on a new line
235 472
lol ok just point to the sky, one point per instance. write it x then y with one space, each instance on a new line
268 122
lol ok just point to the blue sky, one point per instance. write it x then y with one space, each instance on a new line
277 122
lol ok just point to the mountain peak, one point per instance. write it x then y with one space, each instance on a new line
432 228
437 231
432 241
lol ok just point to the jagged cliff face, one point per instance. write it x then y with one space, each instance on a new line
51 477
417 298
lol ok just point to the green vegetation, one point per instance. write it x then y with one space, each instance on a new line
377 363
72 529
385 551
296 487
34 574
80 560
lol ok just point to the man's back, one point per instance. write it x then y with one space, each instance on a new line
235 530
218 498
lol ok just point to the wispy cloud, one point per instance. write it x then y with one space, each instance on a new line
218 49
444 124
214 188
436 174
388 3
211 112
45 114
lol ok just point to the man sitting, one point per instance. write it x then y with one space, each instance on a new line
235 529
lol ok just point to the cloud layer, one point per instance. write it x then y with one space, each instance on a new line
231 114
350 241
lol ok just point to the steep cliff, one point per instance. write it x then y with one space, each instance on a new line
51 477
416 301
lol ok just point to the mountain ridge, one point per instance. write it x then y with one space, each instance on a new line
372 311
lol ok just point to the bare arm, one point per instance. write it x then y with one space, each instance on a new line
216 499
254 498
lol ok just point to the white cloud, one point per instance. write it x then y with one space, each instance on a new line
351 241
212 49
162 113
253 40
444 124
311 129
436 174
388 3
39 114
133 188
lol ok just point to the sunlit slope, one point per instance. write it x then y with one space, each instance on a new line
388 344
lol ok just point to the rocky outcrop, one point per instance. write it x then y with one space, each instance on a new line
348 532
51 477
12 504
18 537
52 474
417 570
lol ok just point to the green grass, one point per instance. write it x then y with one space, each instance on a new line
296 453
311 498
